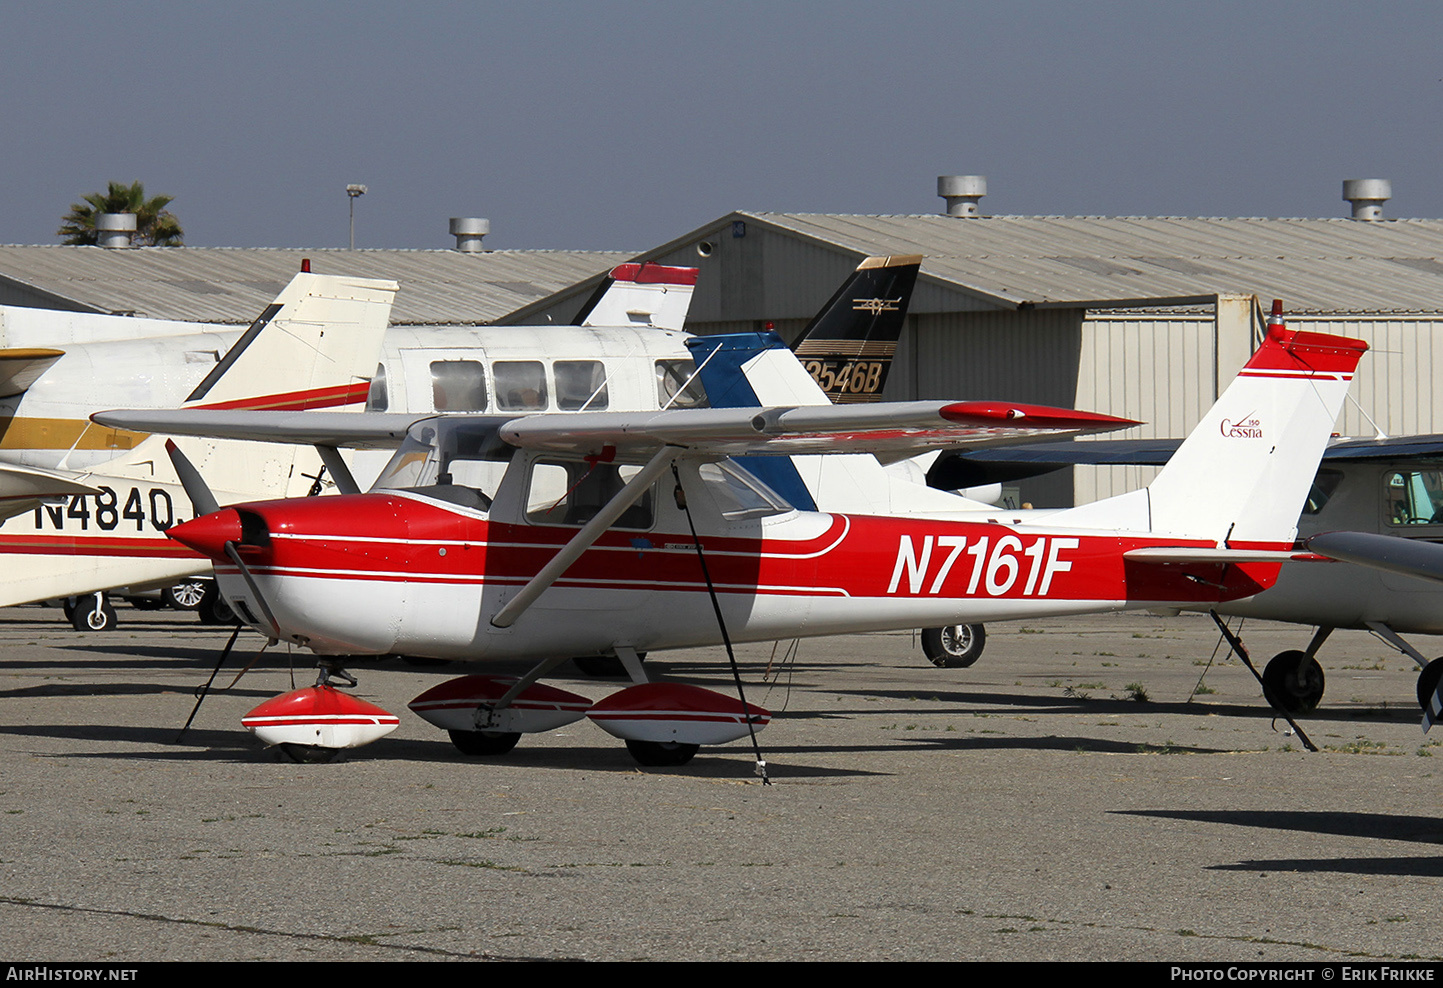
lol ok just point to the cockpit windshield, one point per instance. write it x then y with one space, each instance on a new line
457 459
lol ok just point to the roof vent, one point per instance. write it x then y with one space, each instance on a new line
962 193
468 232
1367 196
114 229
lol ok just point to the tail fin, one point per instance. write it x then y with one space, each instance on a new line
849 345
314 347
640 294
1240 478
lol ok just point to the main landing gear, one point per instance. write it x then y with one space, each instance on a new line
663 724
956 646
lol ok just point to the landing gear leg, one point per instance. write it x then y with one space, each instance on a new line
1428 678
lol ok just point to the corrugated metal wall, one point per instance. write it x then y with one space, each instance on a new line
1397 382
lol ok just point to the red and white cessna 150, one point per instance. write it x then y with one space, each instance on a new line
545 537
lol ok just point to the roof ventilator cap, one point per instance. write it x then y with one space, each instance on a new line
1367 196
114 229
468 232
962 193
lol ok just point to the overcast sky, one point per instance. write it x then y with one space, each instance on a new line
621 125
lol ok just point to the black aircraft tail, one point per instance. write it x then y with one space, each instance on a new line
849 345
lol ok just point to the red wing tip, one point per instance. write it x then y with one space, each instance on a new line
1039 415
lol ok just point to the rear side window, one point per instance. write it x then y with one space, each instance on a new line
678 385
520 385
580 385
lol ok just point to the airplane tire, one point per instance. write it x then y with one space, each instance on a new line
661 754
87 615
484 743
955 646
307 754
1290 685
213 608
1428 682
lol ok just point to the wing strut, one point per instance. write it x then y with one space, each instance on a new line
583 539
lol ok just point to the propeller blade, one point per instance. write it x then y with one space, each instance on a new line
202 501
235 557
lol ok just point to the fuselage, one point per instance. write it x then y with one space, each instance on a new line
411 573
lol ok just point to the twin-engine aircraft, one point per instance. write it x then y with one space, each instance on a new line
545 537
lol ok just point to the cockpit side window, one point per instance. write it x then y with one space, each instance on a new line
1413 497
571 492
678 385
1324 484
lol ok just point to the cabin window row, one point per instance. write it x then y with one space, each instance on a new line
528 386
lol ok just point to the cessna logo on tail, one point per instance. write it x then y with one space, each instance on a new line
1247 427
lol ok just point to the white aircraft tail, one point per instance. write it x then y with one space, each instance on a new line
641 294
1240 478
314 347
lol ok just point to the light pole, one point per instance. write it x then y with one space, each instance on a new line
354 192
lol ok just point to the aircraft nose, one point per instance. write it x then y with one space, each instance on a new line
208 534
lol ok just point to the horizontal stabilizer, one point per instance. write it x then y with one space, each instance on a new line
21 367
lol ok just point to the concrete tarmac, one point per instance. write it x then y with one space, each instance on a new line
1073 796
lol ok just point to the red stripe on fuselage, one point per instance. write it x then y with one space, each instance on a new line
412 540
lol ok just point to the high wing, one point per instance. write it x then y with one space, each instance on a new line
911 426
1410 557
892 426
373 430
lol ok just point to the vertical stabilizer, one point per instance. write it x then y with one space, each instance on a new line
641 294
1241 477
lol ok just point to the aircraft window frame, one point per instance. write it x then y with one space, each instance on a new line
1325 485
593 393
571 500
515 394
458 386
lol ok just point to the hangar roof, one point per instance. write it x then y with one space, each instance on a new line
1315 265
232 284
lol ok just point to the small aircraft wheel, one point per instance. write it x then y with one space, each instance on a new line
213 608
92 615
956 646
307 754
186 595
484 742
661 753
1428 682
1292 682
602 666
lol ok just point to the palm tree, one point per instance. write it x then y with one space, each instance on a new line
154 225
